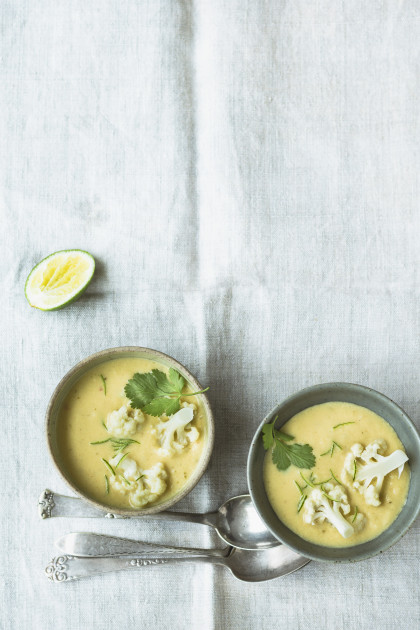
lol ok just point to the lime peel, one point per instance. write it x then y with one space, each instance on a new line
59 279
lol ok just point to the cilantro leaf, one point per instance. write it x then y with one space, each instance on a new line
158 406
300 455
280 456
177 380
141 389
285 454
162 382
156 392
267 435
282 436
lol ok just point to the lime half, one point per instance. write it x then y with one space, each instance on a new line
59 279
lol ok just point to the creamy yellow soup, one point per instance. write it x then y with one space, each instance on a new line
314 426
81 422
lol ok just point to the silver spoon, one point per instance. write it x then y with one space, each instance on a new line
236 521
250 566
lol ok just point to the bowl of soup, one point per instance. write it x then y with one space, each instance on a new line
334 472
130 429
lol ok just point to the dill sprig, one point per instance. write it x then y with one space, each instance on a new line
301 502
120 460
331 449
335 478
355 514
342 424
106 484
108 465
118 444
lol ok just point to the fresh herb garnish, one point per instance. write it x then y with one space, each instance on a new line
355 514
328 496
141 477
301 502
118 444
120 460
331 449
104 426
354 469
321 483
108 465
284 454
106 484
342 424
308 483
126 480
103 383
299 488
334 477
157 393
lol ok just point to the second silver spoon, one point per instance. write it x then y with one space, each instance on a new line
236 521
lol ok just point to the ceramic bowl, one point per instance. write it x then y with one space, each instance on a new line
365 397
68 381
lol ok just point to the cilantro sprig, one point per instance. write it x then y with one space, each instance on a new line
157 393
285 454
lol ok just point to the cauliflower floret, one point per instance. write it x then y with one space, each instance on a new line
173 434
141 486
359 522
150 486
325 504
361 467
124 421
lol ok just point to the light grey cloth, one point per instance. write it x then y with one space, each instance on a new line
246 174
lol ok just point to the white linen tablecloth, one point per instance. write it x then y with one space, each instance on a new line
247 175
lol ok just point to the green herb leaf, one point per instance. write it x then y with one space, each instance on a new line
159 406
280 457
120 460
141 389
104 425
267 435
103 383
101 441
157 393
355 514
106 485
354 469
342 424
299 488
301 502
321 483
108 465
126 480
307 481
282 436
141 477
335 478
300 455
337 445
177 380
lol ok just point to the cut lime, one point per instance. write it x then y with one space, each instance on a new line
59 279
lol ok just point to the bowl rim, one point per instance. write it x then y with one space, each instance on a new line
254 444
107 354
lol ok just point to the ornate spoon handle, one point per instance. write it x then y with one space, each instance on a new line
66 568
51 505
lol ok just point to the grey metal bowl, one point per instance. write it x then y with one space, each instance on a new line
64 387
359 395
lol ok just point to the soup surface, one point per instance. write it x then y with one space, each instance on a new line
148 474
314 426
